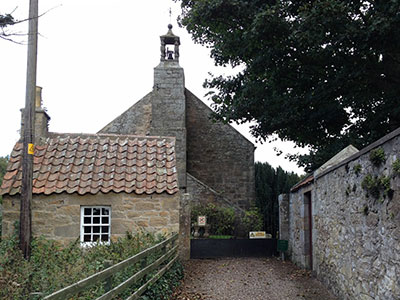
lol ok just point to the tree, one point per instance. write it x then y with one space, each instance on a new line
321 73
270 183
5 21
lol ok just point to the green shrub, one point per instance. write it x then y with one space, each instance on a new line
377 156
225 221
220 219
252 220
371 185
357 169
164 287
53 267
375 185
396 167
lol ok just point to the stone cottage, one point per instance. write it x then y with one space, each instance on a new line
139 171
96 187
343 221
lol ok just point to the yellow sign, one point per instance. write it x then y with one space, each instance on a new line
257 235
31 149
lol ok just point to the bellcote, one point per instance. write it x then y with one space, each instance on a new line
170 46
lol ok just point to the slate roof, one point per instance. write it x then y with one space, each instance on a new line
97 163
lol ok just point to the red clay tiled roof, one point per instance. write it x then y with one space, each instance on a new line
97 163
304 182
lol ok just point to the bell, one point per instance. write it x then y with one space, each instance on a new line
169 53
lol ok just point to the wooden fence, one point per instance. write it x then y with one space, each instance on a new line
168 255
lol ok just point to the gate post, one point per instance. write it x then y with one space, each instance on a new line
184 227
284 218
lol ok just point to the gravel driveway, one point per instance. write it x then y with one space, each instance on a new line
248 279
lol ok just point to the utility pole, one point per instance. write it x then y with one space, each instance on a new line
25 227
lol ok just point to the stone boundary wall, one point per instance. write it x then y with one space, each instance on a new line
57 216
296 231
355 224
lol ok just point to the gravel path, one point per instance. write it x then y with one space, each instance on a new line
248 279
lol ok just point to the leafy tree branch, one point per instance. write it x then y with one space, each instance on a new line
323 74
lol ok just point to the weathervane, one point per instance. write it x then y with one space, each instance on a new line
170 15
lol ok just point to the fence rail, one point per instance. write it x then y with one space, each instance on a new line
169 255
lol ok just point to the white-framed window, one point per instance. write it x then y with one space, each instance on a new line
95 224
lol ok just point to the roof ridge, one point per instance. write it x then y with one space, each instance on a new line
107 135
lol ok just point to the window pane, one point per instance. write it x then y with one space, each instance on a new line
95 225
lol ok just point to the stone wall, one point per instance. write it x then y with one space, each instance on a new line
135 121
215 153
160 113
169 110
57 216
297 231
202 195
355 231
218 155
283 201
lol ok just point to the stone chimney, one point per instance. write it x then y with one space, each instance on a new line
41 119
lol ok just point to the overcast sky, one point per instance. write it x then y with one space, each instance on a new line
95 60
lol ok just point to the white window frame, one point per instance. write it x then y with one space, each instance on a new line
92 225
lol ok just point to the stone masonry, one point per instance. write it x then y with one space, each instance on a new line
58 216
213 153
355 229
169 110
218 155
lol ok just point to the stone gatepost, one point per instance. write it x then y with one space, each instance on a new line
184 227
284 233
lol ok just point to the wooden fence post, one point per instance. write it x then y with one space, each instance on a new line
143 264
108 281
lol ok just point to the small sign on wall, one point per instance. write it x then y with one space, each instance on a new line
259 235
283 245
202 220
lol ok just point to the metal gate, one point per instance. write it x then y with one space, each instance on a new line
215 248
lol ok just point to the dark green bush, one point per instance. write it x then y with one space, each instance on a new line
396 167
377 156
252 220
225 221
357 169
164 287
375 185
220 219
53 267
